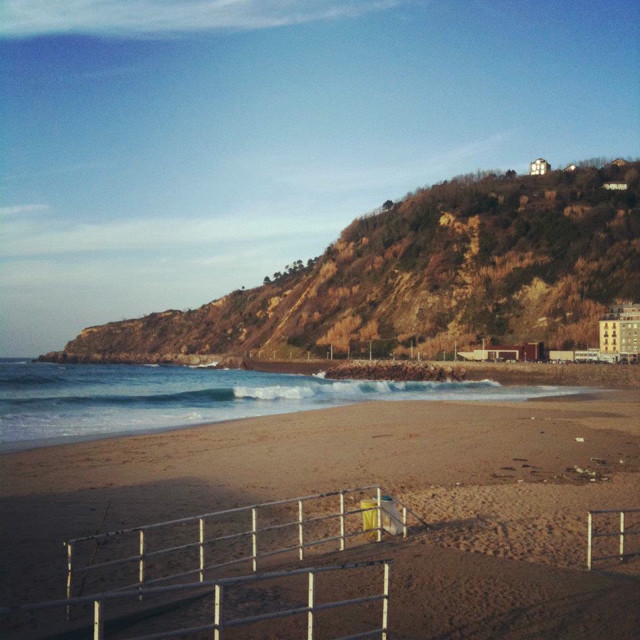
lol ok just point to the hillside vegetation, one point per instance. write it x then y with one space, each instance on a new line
505 257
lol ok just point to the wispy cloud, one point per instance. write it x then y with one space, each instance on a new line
23 208
385 173
26 238
24 18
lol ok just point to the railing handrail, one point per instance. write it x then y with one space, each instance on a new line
253 555
153 525
622 533
215 587
594 511
189 586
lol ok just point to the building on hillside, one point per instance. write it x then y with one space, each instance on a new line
529 352
620 331
571 167
615 185
539 167
620 162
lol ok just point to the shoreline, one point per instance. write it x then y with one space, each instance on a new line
23 446
44 443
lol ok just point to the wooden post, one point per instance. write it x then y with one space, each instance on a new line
404 522
69 575
300 531
342 521
217 613
254 537
621 536
141 562
311 601
201 537
385 601
379 500
98 622
589 526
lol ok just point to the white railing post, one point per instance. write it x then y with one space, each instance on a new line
300 531
311 604
69 574
342 527
385 602
621 536
589 527
201 539
217 613
254 537
98 622
404 522
379 500
141 562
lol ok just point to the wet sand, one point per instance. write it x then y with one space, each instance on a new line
504 487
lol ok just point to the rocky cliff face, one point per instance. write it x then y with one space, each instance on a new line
513 258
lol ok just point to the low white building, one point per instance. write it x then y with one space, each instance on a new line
562 356
587 355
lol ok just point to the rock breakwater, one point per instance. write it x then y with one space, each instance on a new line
399 371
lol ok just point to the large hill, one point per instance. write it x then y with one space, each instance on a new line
496 256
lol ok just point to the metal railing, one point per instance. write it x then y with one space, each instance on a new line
621 533
254 552
218 588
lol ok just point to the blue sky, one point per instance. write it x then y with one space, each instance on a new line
160 153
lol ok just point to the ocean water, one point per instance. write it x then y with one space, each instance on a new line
42 403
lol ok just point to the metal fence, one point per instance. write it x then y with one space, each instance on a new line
218 588
295 528
620 533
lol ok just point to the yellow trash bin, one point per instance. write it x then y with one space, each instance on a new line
370 518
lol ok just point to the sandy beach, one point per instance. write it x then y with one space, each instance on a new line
505 489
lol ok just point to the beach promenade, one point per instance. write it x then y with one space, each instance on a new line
504 487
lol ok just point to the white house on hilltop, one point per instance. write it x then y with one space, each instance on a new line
539 167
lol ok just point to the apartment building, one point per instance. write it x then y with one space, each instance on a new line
620 331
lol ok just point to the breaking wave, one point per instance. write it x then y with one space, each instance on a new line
56 402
